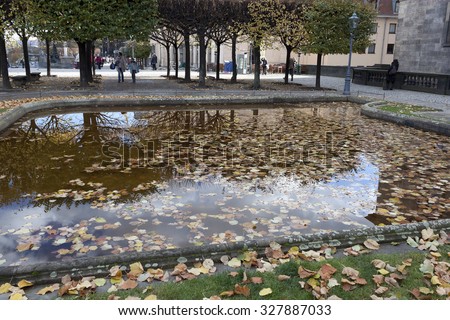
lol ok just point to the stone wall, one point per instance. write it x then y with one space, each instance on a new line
421 38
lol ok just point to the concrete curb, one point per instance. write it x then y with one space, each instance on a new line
48 272
372 110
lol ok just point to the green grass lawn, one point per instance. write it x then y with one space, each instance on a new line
213 285
406 109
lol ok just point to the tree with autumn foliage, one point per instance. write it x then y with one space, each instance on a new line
259 30
289 28
328 31
80 20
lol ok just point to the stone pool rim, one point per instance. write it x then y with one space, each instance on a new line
49 272
168 103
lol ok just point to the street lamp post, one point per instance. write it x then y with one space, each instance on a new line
353 21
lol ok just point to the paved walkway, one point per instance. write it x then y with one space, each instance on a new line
151 82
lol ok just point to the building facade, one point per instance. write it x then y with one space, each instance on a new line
423 39
381 51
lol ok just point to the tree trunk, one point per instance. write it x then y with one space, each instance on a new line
217 60
233 57
176 61
257 77
47 51
90 59
26 57
168 60
202 70
187 66
84 66
288 58
6 84
318 70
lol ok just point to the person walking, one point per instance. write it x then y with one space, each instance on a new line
134 68
264 65
390 75
98 61
154 61
291 68
121 66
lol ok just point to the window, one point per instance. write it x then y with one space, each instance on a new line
374 27
392 27
390 48
396 5
371 49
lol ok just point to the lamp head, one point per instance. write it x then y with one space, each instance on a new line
353 21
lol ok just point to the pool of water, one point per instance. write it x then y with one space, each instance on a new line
87 184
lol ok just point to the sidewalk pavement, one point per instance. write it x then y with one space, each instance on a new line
151 82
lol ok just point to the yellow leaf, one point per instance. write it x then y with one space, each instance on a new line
312 282
4 288
17 296
151 297
46 290
425 290
436 254
383 272
435 280
24 283
136 268
265 292
100 282
234 263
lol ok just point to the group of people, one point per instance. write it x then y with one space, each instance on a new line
121 64
291 67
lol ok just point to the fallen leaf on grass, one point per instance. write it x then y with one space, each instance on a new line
350 272
265 292
151 297
256 280
283 277
305 273
381 290
227 293
242 290
379 264
326 271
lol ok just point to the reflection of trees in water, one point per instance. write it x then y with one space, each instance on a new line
43 155
51 151
160 124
